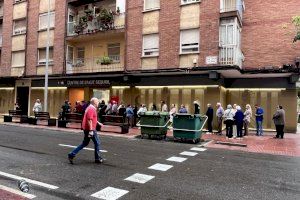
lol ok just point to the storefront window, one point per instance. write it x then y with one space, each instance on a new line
101 94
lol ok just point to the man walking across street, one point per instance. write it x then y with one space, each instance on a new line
279 121
259 120
219 114
89 124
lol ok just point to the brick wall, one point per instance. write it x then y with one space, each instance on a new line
134 39
209 29
169 34
264 41
32 36
6 40
59 36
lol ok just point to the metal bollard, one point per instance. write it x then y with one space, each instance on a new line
23 186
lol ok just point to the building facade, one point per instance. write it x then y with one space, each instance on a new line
145 51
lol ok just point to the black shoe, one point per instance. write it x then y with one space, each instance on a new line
71 159
99 161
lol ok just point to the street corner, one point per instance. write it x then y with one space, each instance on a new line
8 193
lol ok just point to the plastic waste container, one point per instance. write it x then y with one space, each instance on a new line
154 123
188 127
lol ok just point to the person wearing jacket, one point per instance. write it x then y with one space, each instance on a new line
197 107
279 121
259 115
182 109
234 128
229 120
219 114
172 112
210 116
129 115
37 106
239 120
247 119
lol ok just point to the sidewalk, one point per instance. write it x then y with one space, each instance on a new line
289 146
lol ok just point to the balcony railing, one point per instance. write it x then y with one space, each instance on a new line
231 55
233 5
96 64
96 25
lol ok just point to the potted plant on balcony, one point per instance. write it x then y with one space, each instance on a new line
105 18
105 60
78 28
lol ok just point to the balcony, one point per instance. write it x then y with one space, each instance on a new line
232 8
231 55
96 64
94 18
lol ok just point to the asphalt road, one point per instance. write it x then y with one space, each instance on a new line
210 175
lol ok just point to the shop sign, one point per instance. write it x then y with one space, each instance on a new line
72 83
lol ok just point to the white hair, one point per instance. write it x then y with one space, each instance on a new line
219 104
238 108
94 100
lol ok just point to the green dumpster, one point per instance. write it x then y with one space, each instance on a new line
154 124
188 127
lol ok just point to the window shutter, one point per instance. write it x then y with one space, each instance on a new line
152 4
44 20
18 59
190 37
151 41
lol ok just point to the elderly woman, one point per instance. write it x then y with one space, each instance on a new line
247 119
172 112
239 120
228 120
37 106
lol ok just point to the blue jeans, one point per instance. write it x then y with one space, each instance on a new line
85 142
259 128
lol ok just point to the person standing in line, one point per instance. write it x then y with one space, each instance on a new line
37 106
129 115
197 107
229 120
234 128
259 115
114 108
239 120
210 116
142 109
172 112
153 108
183 109
279 121
164 107
102 108
247 119
89 124
219 114
108 110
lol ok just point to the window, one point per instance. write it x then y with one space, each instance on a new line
80 54
70 54
189 1
228 32
18 59
151 45
151 4
114 52
43 23
189 41
18 1
19 27
42 56
121 4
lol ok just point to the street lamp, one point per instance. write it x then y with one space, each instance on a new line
47 60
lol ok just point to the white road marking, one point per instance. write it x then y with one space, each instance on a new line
110 193
176 159
17 192
139 178
188 153
89 149
160 167
45 185
198 149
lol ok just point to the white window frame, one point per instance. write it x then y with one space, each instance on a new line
190 52
43 61
67 54
150 9
153 52
186 2
21 31
45 14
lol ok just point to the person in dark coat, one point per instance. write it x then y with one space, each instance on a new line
197 107
210 116
279 121
101 108
239 121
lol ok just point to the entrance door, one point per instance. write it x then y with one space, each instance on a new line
22 99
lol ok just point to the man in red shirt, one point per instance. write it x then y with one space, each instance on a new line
89 124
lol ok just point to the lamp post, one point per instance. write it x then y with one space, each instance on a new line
47 60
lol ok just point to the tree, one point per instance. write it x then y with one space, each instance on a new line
296 22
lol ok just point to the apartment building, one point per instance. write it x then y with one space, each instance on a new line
145 51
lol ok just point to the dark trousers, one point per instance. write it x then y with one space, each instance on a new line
219 120
209 125
279 130
239 129
229 129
